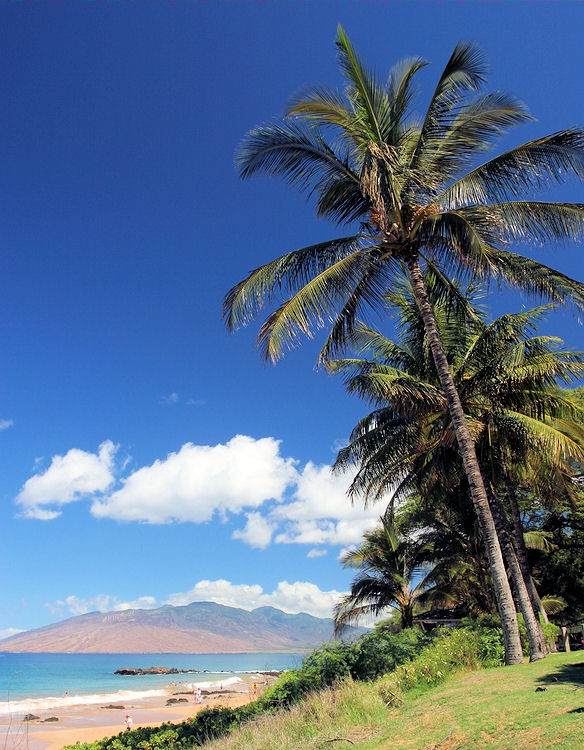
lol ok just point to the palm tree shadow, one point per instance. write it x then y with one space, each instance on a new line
567 674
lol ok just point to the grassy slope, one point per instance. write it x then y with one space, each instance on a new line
491 709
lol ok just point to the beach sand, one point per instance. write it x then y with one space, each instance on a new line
90 723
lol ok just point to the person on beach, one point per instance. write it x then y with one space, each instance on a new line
198 694
128 722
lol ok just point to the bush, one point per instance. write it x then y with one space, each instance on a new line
382 651
491 644
452 651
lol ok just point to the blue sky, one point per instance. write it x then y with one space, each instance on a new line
148 456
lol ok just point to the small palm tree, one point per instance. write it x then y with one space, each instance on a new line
420 198
388 564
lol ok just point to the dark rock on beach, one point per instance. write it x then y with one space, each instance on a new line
132 671
50 718
111 705
31 717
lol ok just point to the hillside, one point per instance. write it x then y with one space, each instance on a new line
197 628
492 709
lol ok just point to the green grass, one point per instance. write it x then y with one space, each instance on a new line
492 709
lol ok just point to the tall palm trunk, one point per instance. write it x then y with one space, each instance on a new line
505 604
538 607
535 636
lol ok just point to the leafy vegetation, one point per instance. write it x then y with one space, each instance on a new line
452 652
491 709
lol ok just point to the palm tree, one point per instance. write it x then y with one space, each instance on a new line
366 160
449 535
506 381
387 563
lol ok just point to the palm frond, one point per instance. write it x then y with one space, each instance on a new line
539 540
369 98
288 272
325 107
294 151
464 72
553 604
472 130
523 169
533 277
529 221
319 299
369 289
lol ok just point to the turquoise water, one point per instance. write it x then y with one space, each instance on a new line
52 680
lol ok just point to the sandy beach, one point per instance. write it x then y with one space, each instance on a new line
88 723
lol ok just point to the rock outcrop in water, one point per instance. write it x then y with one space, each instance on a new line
154 670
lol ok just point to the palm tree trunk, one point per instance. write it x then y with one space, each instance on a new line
535 636
505 604
538 607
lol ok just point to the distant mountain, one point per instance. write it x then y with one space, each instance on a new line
198 628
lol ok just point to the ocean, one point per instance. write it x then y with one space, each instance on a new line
33 682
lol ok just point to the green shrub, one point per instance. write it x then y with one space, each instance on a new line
550 631
452 651
491 644
382 651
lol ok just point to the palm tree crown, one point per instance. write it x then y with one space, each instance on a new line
387 564
366 158
508 384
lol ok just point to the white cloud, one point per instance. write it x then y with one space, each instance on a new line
282 503
257 532
7 632
5 424
221 591
196 402
199 480
70 477
321 512
316 553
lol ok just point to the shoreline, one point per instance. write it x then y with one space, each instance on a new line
91 722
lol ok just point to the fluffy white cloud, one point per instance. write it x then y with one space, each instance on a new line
70 477
299 596
321 512
257 532
4 425
281 503
199 480
221 591
172 398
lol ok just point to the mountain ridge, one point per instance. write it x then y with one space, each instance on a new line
195 628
